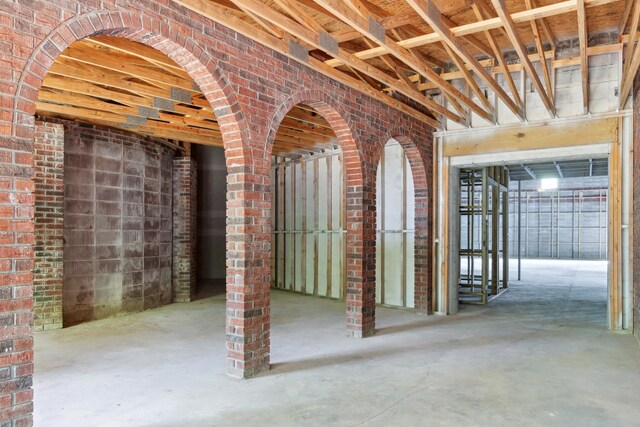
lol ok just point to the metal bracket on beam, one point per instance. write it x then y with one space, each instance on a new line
148 112
180 95
377 30
163 104
298 51
329 43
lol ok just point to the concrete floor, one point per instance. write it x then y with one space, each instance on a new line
537 355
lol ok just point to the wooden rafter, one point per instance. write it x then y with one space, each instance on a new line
315 39
584 59
633 35
629 75
433 17
500 56
221 15
471 81
540 48
532 4
625 17
510 28
363 25
484 25
119 83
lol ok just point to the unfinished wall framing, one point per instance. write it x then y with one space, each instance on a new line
483 238
395 208
308 237
608 135
308 226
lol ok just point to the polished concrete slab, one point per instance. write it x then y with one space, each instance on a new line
537 355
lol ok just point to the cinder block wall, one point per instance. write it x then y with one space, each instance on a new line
117 223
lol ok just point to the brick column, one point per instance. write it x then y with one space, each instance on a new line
16 281
185 214
248 268
48 170
361 259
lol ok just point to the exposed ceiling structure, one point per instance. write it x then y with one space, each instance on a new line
416 47
115 82
392 50
565 169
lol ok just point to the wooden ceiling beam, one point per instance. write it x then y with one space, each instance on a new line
129 67
532 4
432 16
499 55
510 28
222 16
625 17
628 76
315 39
363 25
120 121
540 48
633 35
584 59
566 6
129 47
471 81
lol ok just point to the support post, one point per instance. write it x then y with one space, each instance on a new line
185 214
519 230
48 176
248 257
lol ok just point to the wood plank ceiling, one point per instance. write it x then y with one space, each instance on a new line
414 48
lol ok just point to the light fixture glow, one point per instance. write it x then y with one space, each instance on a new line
548 184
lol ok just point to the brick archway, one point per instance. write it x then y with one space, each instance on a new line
20 134
360 282
170 40
420 163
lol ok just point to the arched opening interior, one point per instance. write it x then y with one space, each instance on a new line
395 230
115 184
308 221
308 228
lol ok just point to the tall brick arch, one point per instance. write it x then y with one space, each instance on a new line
421 170
360 281
170 40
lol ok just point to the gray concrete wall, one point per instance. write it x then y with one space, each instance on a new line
212 185
117 223
567 223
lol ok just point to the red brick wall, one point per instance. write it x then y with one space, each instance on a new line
48 166
250 88
117 223
185 214
636 206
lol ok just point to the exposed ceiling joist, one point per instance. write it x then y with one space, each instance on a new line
433 17
509 26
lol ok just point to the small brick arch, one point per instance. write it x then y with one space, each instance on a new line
360 281
421 173
339 120
170 40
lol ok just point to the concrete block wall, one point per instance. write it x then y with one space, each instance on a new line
568 223
117 223
48 161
